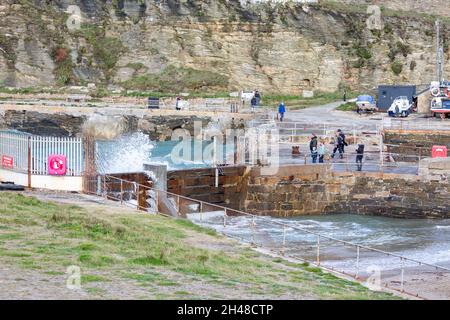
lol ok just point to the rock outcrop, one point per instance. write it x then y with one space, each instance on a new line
158 128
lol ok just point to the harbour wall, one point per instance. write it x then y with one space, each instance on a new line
316 189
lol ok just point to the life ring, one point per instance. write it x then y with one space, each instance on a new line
435 92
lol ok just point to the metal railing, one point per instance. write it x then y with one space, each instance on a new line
30 153
378 268
408 125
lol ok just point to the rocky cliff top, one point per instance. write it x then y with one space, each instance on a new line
216 45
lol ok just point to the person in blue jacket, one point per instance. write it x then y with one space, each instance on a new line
281 110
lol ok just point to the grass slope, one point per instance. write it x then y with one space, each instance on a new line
123 254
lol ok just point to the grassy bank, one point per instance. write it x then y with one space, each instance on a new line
148 256
296 102
349 106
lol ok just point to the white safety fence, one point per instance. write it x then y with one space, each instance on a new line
29 153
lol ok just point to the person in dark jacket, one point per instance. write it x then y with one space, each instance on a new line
281 110
344 142
257 96
313 148
253 102
359 156
338 145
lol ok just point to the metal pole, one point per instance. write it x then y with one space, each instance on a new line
121 191
357 263
381 153
318 250
138 198
29 162
253 230
346 162
104 187
178 205
225 221
402 275
236 150
201 211
283 248
157 201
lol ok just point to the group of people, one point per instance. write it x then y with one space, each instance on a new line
318 150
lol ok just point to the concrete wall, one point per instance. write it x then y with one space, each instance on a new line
61 183
200 184
305 190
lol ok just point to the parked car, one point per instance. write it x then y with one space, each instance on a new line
366 103
400 107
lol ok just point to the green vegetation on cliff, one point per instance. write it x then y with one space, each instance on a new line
120 250
173 79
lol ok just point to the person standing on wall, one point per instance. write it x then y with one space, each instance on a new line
338 145
178 104
253 103
344 142
321 151
257 96
313 148
359 156
281 111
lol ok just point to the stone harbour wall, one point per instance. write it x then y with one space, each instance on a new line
308 190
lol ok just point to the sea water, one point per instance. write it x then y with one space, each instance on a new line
420 239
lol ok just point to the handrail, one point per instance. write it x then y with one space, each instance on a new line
354 271
225 209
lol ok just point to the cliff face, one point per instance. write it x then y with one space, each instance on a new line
212 45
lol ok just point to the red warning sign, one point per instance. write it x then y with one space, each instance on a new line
7 162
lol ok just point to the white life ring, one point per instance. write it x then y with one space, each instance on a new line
435 92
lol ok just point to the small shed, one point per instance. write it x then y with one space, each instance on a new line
388 93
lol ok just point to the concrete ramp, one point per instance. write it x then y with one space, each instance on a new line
166 206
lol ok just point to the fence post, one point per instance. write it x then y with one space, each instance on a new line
201 211
402 275
253 230
357 263
104 187
318 250
138 199
29 163
121 191
283 248
178 205
346 162
225 221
